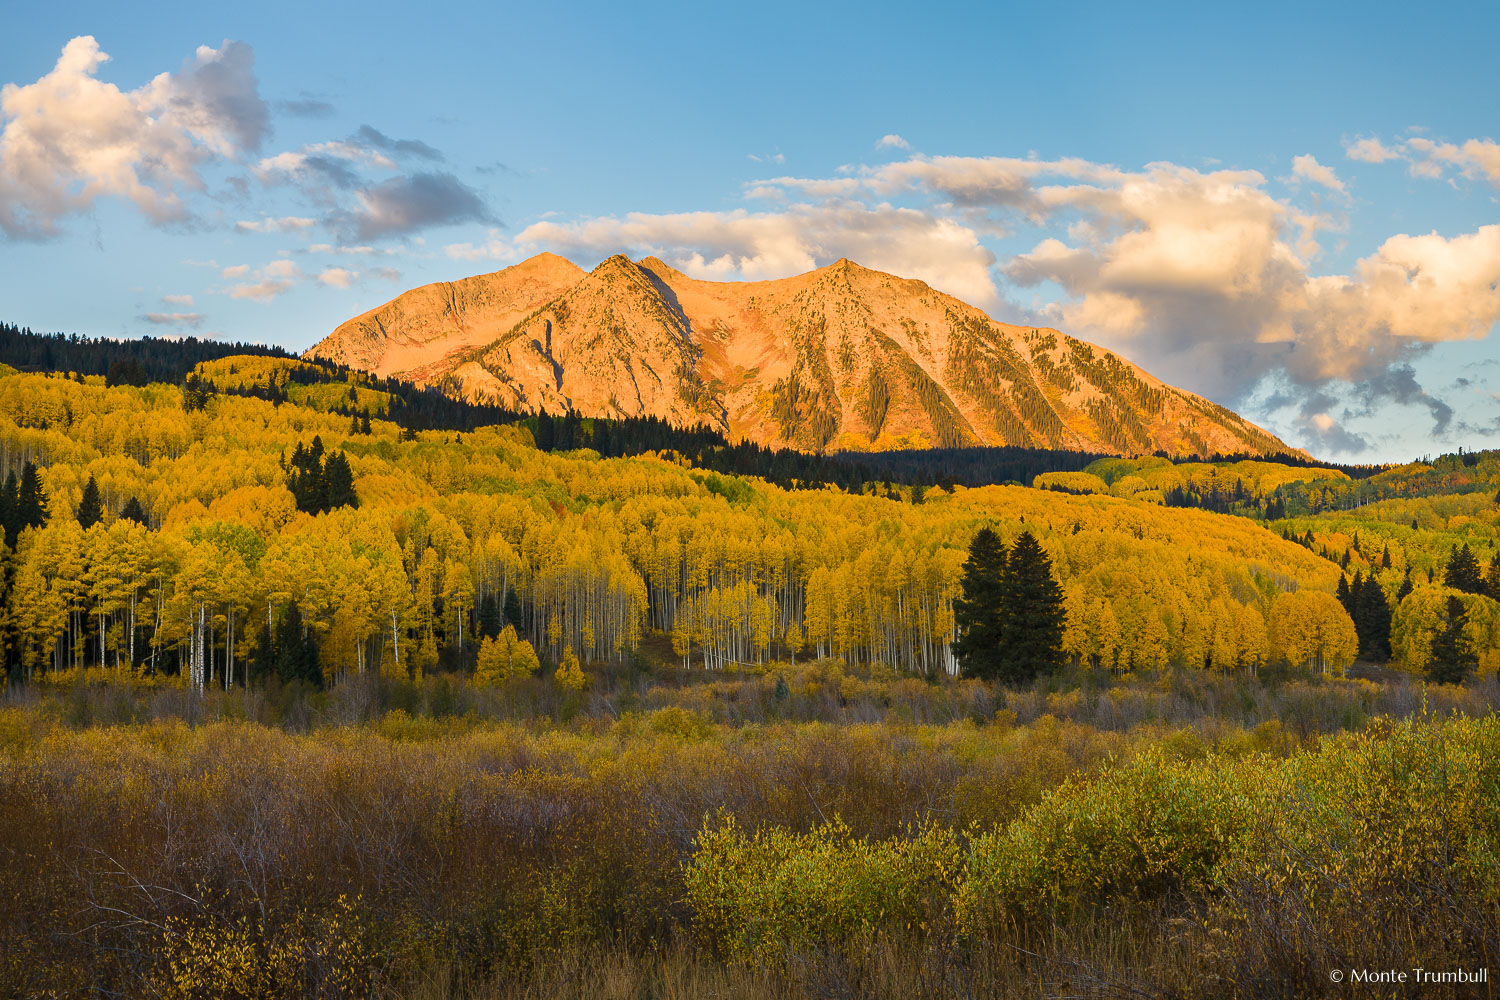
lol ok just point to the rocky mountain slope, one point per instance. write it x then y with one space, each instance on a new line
839 358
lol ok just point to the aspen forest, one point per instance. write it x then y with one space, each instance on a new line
318 687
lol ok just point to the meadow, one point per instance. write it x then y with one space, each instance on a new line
785 831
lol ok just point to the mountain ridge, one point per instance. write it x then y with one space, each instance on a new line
839 358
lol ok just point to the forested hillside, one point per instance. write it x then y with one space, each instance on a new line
435 534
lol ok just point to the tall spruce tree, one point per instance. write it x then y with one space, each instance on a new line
977 610
296 649
1032 614
133 511
489 617
10 507
1463 571
512 608
1452 657
338 483
1372 622
90 507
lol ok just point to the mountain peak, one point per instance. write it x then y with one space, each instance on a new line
860 363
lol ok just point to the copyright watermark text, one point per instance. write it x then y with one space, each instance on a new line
1415 976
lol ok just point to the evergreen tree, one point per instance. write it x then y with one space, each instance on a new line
1343 594
1385 557
264 664
1372 622
1492 578
1463 572
977 611
512 608
489 617
338 483
90 507
1452 657
296 649
133 511
31 504
10 498
364 423
1032 615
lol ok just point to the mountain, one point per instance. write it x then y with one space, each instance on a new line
838 358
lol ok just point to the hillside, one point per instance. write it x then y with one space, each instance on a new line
841 358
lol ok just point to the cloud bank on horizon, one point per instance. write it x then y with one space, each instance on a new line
1210 277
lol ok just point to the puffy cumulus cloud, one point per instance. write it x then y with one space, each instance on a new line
70 138
404 205
1206 278
982 182
1475 159
337 277
1413 290
892 141
759 245
268 282
1307 168
1324 434
1370 150
342 177
181 320
1218 272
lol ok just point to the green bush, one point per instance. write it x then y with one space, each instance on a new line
764 893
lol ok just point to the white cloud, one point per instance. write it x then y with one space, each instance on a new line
286 224
272 280
892 141
236 271
337 277
177 300
1307 167
1473 159
753 246
1370 150
70 138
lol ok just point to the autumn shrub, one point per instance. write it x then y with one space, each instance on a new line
1151 828
770 891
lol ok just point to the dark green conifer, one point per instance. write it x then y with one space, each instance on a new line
1452 656
1032 613
1372 622
338 483
90 507
977 609
1463 571
133 511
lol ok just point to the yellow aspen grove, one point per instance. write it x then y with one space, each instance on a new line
1310 628
592 555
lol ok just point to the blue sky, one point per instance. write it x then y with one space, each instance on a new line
1296 213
